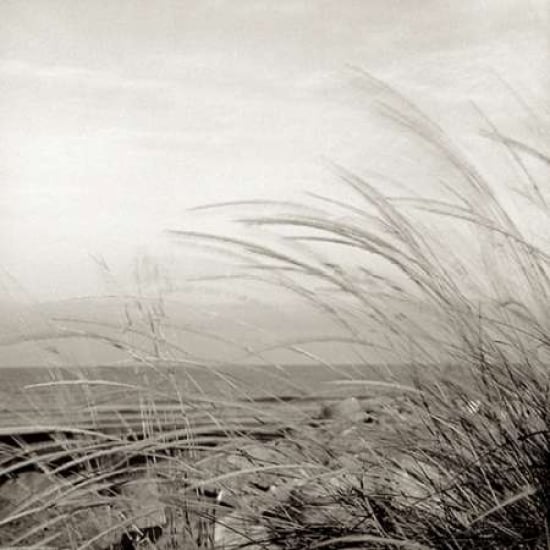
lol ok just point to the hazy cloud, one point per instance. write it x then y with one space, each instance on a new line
116 117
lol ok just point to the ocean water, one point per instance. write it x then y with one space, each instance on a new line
32 392
264 380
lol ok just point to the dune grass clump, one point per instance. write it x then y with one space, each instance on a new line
449 293
461 294
459 476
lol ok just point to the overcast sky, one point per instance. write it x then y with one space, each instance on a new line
116 117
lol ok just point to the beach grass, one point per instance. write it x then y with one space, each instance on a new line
454 456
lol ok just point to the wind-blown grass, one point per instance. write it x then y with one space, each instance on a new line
475 452
459 455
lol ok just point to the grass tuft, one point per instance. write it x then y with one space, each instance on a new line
450 451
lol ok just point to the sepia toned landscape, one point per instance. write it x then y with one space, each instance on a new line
276 275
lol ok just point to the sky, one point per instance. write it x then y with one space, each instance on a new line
117 118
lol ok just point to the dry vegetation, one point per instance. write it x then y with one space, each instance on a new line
459 458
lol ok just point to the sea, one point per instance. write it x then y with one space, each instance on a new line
31 393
